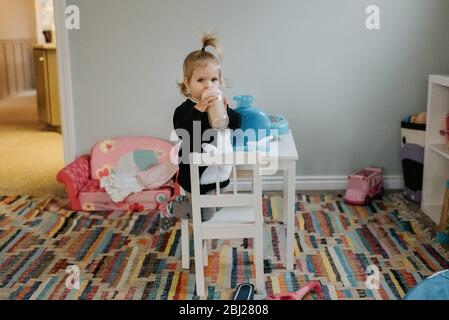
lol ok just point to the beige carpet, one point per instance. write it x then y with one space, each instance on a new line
30 153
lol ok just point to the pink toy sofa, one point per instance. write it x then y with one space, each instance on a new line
81 178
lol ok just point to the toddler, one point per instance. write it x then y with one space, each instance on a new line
202 71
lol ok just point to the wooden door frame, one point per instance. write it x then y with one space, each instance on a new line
65 81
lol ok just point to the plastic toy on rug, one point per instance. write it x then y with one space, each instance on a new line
435 287
244 291
364 185
314 286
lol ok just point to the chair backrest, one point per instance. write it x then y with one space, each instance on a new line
241 214
248 162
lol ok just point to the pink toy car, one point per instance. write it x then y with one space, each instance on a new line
364 185
314 286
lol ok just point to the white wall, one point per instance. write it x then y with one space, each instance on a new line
17 19
44 18
344 89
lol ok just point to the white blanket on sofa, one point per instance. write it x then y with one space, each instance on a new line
119 186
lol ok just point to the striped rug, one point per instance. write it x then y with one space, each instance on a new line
122 255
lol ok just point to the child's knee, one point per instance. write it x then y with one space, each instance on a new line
182 209
207 213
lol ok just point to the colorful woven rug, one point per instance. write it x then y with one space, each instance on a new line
122 255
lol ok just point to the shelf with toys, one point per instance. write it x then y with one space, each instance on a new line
436 155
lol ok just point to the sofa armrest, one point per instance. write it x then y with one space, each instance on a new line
74 176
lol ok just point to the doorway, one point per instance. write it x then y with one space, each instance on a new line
31 147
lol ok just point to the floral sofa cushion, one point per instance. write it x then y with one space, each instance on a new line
127 155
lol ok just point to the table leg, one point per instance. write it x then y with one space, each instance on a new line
284 196
290 200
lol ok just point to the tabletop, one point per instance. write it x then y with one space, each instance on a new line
284 147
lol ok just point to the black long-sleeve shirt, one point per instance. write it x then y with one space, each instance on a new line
184 118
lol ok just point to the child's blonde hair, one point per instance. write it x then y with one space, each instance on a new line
201 58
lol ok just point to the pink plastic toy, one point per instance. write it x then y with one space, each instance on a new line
298 295
364 185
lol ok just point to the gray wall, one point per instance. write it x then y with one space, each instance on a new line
344 89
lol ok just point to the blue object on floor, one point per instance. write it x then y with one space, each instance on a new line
442 237
435 287
244 291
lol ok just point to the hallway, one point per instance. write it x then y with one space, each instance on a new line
30 154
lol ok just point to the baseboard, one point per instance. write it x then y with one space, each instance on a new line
275 183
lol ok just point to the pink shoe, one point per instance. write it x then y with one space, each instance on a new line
315 286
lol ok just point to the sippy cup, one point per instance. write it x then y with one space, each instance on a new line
218 117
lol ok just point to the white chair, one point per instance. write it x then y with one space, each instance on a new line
240 217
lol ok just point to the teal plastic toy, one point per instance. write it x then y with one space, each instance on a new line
278 125
252 117
435 287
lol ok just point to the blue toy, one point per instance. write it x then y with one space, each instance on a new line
252 117
435 287
256 119
244 291
279 123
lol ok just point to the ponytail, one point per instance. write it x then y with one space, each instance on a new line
210 40
199 57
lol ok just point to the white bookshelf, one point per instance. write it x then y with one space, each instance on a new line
436 154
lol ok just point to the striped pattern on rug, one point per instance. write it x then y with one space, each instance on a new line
122 255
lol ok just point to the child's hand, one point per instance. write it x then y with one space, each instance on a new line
205 103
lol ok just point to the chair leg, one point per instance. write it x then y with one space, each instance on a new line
205 253
199 267
185 242
258 260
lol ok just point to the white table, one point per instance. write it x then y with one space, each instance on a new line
284 152
284 155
